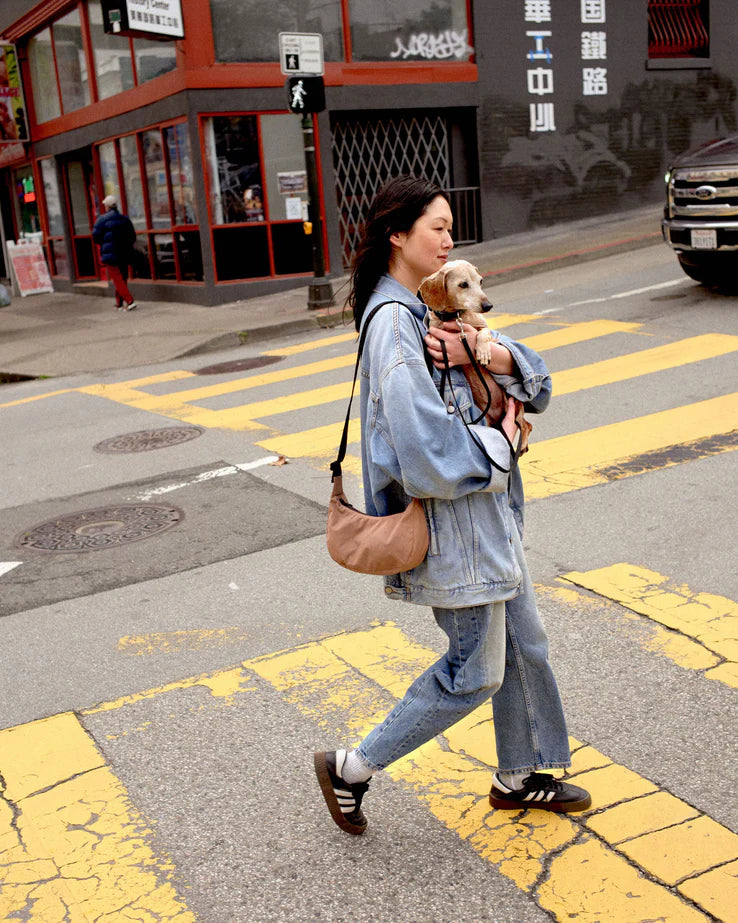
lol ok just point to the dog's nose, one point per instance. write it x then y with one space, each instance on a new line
485 306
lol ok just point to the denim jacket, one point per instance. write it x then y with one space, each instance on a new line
415 445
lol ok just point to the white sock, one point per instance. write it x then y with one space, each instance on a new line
512 780
355 769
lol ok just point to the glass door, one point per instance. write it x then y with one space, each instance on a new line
82 203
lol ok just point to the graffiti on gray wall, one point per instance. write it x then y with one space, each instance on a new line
605 153
441 46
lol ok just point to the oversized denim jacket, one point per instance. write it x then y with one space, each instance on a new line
414 444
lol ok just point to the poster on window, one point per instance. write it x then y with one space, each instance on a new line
13 125
29 267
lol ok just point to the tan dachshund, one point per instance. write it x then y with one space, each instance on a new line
455 293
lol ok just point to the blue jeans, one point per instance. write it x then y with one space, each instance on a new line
499 650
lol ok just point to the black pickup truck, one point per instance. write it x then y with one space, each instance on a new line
701 214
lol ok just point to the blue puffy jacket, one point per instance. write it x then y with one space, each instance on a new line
116 236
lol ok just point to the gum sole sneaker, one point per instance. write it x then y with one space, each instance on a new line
343 800
539 791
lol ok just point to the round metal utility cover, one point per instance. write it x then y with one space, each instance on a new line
239 365
105 527
147 439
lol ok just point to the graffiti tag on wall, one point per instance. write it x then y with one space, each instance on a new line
443 45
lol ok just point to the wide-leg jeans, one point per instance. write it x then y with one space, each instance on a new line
499 650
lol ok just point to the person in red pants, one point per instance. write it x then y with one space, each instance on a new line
115 235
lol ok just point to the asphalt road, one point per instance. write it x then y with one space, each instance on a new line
185 678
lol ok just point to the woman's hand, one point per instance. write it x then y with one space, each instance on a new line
450 334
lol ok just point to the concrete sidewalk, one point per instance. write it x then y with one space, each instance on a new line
61 334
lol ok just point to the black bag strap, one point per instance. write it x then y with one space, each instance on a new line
336 465
514 453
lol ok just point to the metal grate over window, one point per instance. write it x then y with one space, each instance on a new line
369 150
678 29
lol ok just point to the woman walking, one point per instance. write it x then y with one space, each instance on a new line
415 444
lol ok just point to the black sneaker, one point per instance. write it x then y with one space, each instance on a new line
343 800
541 791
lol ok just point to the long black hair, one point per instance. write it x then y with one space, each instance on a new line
396 207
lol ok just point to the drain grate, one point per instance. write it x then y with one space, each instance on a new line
239 365
147 439
104 527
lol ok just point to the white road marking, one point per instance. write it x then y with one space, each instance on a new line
634 291
205 476
6 566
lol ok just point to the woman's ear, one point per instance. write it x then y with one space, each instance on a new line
398 238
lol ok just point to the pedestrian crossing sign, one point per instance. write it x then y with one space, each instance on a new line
301 53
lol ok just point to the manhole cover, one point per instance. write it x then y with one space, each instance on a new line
106 527
239 365
147 439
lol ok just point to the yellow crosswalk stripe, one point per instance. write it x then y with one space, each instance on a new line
706 618
598 455
646 362
578 333
633 824
72 845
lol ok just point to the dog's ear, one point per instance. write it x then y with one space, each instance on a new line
433 290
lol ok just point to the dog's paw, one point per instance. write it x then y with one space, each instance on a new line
484 347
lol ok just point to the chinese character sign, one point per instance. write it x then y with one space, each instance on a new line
13 126
541 78
593 47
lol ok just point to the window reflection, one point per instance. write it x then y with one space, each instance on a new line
153 58
247 30
71 62
112 56
232 146
43 77
180 171
108 169
52 198
135 207
156 179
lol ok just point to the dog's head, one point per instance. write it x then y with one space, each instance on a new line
456 287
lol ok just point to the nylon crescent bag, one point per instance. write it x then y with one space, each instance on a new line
382 545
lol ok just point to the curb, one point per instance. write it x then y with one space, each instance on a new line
491 277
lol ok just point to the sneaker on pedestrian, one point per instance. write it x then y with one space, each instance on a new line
132 306
343 800
119 307
541 791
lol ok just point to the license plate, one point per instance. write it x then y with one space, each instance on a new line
704 239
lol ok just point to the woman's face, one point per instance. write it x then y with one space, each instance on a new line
425 247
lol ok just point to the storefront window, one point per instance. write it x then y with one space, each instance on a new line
71 62
257 231
180 171
52 198
113 65
43 77
162 175
247 30
108 169
153 58
236 192
416 30
135 205
284 167
26 204
156 179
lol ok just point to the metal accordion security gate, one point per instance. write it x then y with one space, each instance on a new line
370 149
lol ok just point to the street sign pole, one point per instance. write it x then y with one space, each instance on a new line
301 57
320 293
